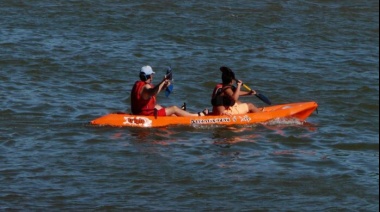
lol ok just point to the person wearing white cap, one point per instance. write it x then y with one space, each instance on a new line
143 97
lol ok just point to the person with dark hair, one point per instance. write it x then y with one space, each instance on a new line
143 97
225 97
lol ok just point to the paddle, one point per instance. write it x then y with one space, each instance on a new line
169 76
258 95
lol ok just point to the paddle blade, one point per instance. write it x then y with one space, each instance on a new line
263 98
169 76
169 90
169 73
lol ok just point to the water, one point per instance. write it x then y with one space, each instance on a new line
65 63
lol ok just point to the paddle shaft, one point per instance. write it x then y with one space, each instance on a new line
258 95
246 87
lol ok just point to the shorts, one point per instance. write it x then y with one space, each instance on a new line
151 112
161 112
237 109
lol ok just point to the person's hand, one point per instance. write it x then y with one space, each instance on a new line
239 83
168 76
166 83
165 79
252 92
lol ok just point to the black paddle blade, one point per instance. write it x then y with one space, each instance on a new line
169 73
264 99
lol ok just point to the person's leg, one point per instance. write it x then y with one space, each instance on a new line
174 110
253 108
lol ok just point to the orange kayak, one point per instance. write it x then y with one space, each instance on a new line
300 111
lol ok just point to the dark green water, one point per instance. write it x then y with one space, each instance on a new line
64 64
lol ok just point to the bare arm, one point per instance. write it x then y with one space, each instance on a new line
234 95
247 93
149 91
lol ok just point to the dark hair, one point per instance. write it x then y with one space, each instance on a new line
227 75
144 77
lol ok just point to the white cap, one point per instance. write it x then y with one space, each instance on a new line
147 70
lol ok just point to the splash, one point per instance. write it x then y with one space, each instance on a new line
282 121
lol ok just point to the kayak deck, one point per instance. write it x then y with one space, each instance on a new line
300 111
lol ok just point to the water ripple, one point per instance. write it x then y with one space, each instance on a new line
63 64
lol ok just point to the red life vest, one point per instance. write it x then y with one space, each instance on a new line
139 105
217 90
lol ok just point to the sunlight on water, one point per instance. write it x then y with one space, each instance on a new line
64 63
275 122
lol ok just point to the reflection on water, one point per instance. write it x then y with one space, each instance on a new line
237 134
55 73
223 136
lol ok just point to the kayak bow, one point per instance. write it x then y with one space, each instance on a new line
300 111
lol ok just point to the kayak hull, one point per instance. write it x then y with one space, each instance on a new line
300 111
